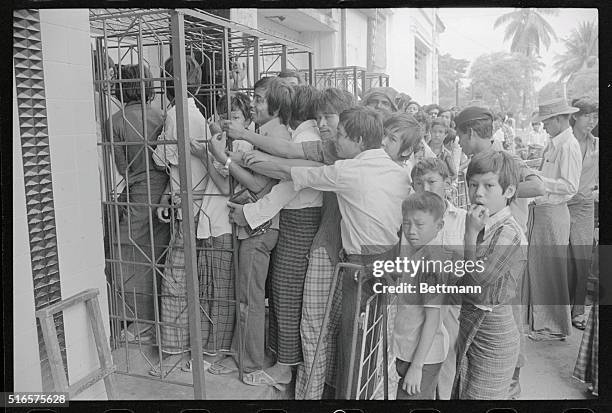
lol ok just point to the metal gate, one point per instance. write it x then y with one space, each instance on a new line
144 255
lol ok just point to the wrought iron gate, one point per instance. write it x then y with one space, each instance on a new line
143 254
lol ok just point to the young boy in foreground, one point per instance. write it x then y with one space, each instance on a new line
419 336
488 344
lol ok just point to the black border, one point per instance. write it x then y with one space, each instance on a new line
601 404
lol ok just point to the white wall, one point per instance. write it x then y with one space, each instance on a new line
405 25
76 192
356 38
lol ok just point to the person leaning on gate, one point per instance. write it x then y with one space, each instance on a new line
144 184
300 214
271 110
370 187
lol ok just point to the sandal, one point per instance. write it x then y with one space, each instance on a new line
261 378
220 368
187 368
579 322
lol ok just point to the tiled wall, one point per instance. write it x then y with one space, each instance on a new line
76 191
26 360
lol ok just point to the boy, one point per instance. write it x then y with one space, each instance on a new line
255 248
419 336
432 175
370 188
488 345
438 133
475 129
300 214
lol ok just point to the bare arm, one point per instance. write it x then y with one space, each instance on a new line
412 381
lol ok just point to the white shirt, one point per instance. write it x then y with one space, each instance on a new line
561 168
410 316
283 195
212 212
370 189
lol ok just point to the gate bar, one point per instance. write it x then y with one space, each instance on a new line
182 128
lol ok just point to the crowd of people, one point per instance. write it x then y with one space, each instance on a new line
322 178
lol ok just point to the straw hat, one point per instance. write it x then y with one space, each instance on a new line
553 108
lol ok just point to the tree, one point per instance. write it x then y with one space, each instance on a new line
549 91
528 30
498 79
581 51
450 71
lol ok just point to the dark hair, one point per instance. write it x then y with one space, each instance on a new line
450 136
131 91
194 76
401 101
279 95
410 131
438 122
364 122
430 165
431 107
334 100
240 101
586 104
500 163
425 201
304 103
482 127
290 73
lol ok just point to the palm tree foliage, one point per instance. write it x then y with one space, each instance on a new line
581 50
528 29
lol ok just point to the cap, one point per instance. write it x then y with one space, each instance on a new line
472 113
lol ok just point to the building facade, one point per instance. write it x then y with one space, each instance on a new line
402 43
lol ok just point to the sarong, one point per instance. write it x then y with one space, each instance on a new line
173 303
317 287
547 292
289 264
587 364
216 293
487 353
582 227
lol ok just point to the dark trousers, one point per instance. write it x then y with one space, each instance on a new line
429 381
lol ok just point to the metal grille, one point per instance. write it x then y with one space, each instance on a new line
32 112
139 326
349 78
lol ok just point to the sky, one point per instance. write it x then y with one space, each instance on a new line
469 33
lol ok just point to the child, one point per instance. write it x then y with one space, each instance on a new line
432 175
403 137
300 214
419 336
488 345
438 133
255 248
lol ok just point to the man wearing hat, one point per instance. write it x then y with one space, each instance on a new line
549 226
474 127
381 99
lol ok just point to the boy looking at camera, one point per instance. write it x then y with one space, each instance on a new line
488 345
419 336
